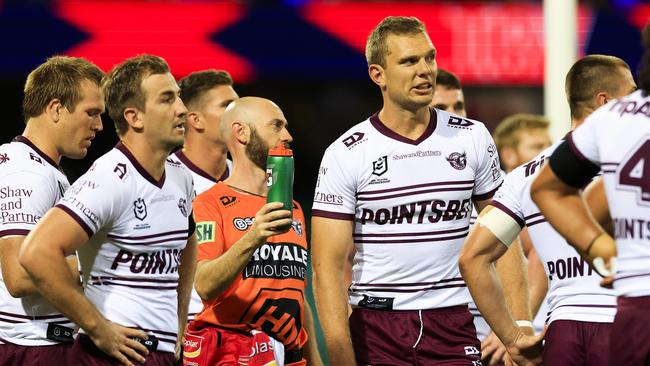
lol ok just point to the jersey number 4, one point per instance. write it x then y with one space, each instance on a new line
635 173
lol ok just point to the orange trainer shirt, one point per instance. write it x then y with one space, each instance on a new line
269 294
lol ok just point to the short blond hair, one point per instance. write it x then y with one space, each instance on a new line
377 46
508 131
59 78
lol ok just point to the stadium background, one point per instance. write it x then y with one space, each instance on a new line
307 56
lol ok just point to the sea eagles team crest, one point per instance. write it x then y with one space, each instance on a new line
380 166
140 209
457 160
182 203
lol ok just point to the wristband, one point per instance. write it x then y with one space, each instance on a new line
524 323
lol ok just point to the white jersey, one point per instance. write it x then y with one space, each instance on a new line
202 182
411 202
138 228
574 287
617 138
30 184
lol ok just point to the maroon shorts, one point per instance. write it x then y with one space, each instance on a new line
443 336
84 352
13 354
577 343
630 340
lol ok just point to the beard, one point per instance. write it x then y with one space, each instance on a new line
257 150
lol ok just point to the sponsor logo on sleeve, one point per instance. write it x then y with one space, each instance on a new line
227 200
457 160
243 223
328 198
380 166
35 158
355 139
459 122
173 162
11 205
140 209
205 231
4 158
120 169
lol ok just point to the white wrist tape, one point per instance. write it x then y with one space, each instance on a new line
599 265
504 227
524 323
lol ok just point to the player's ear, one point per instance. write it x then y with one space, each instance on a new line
241 131
194 119
602 98
377 76
53 109
133 118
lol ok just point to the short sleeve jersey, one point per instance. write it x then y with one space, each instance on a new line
616 137
202 182
268 295
574 287
30 184
138 227
410 201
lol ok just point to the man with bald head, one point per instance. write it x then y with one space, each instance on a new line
251 271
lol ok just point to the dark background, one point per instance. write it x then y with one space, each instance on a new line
320 82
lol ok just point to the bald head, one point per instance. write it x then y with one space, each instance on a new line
252 125
250 111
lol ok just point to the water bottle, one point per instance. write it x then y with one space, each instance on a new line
279 176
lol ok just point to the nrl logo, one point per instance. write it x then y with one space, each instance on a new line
457 160
380 166
140 209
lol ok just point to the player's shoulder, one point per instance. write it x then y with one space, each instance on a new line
21 155
455 124
527 170
354 139
114 168
174 166
219 192
636 105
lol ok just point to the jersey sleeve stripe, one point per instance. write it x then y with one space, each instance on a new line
333 215
486 195
9 232
78 219
505 209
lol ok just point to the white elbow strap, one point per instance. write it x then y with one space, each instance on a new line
504 227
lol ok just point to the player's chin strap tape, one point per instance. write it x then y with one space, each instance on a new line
572 169
504 227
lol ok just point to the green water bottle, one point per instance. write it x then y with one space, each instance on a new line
279 176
